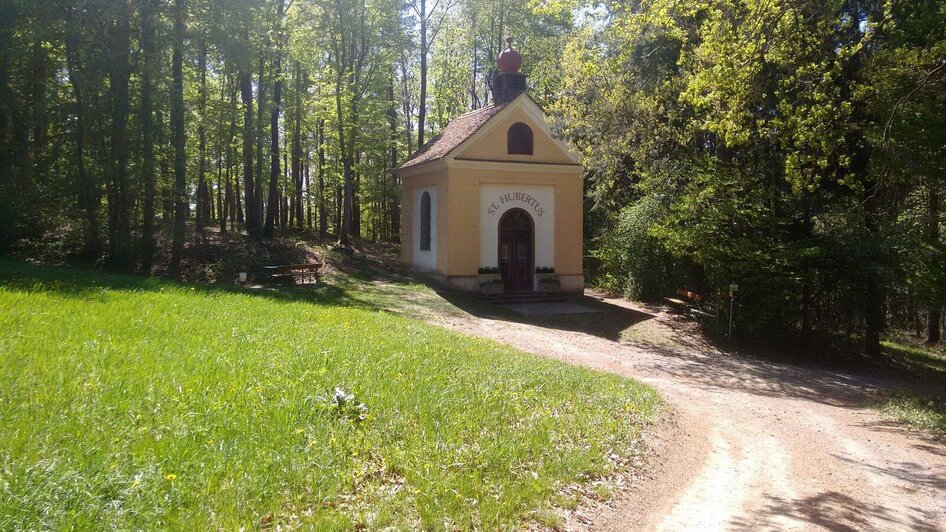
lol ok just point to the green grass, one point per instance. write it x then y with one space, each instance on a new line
921 413
139 403
924 365
921 362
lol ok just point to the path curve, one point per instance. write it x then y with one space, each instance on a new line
749 444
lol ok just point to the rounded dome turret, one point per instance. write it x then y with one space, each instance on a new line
509 60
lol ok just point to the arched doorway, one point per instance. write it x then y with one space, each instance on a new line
516 250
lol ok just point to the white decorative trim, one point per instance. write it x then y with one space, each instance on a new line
538 201
422 168
424 259
510 166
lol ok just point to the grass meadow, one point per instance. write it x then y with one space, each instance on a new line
133 402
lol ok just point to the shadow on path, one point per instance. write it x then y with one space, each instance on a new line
602 319
702 365
832 510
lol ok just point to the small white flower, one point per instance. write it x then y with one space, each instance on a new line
341 396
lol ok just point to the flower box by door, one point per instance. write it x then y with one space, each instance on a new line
491 285
547 284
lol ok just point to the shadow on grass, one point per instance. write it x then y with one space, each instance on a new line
916 361
89 285
605 320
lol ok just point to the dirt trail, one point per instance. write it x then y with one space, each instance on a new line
751 444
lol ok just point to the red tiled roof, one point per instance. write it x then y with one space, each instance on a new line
458 130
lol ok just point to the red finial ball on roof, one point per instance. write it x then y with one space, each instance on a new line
509 60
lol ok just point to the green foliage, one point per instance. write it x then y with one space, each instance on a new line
633 261
927 274
139 403
921 413
789 146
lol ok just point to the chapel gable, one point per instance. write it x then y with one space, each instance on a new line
519 134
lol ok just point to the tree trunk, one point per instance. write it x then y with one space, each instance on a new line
933 318
406 106
260 143
308 185
285 212
246 95
874 292
237 215
228 208
422 101
37 139
273 202
933 314
323 211
474 98
344 238
88 185
149 52
355 194
307 172
7 163
218 206
177 122
286 208
297 176
339 200
119 74
225 211
395 196
203 197
167 206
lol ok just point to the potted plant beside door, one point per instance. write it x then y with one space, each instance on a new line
546 281
495 287
491 283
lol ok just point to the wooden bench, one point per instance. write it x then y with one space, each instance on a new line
290 274
693 303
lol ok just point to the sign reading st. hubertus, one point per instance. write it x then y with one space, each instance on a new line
522 197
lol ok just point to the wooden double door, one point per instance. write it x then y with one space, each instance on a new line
516 251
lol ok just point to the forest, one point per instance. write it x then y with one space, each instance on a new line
788 156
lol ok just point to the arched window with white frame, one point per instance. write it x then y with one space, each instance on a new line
425 221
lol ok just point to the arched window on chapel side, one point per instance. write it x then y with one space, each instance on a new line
425 222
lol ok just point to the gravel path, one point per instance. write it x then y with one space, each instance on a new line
749 444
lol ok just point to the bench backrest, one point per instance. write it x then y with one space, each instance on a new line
693 296
289 268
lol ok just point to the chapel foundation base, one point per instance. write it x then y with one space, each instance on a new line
569 284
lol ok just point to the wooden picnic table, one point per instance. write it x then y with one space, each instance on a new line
280 274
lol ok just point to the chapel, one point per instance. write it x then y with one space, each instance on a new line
493 204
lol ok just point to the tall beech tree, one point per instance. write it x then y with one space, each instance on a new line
272 207
203 194
180 196
89 200
149 11
250 213
119 49
430 20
